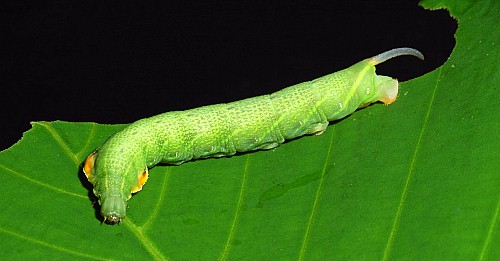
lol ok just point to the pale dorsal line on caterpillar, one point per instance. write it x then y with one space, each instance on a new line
119 167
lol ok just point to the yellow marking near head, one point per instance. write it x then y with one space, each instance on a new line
88 168
141 180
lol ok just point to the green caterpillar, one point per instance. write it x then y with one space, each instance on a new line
120 166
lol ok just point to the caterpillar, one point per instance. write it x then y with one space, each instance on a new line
119 167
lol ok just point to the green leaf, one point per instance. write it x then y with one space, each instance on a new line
416 180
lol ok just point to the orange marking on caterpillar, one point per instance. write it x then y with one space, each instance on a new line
88 168
141 180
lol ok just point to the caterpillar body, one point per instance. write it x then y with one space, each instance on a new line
119 167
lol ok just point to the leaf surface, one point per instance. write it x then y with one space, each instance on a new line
417 180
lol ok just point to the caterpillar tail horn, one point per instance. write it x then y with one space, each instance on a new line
378 59
388 85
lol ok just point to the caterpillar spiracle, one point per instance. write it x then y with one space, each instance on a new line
119 167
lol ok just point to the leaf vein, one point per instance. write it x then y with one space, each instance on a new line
48 245
61 142
86 146
40 183
147 243
314 209
491 229
156 209
237 214
411 168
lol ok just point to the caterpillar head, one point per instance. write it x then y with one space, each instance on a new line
113 186
113 209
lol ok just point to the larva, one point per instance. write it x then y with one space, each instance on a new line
119 167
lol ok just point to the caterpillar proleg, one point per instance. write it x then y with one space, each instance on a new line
119 167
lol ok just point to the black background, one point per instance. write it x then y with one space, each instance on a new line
114 62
